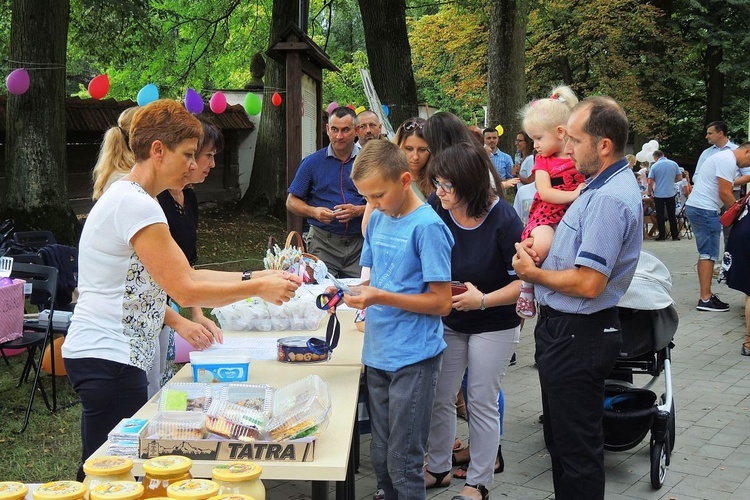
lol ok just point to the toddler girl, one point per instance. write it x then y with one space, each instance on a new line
558 182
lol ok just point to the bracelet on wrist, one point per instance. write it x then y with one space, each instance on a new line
482 307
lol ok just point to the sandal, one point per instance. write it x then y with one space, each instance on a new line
460 472
439 479
379 495
745 349
479 487
457 461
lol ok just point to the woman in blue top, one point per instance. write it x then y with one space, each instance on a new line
482 330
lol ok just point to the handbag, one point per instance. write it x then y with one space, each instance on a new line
733 213
11 311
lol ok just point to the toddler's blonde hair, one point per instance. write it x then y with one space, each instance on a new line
550 112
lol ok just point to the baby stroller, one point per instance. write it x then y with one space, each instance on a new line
649 322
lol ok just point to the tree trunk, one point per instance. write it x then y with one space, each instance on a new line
505 67
714 83
36 194
268 182
389 54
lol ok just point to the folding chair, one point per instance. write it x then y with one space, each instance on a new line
35 239
43 280
683 224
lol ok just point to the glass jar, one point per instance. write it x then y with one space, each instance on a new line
12 490
160 472
231 496
117 490
106 469
240 478
193 489
60 490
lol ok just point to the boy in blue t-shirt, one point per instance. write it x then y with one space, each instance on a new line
408 249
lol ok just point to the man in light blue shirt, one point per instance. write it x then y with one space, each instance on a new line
661 178
590 265
502 161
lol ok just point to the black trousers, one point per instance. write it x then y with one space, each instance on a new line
666 205
109 392
574 354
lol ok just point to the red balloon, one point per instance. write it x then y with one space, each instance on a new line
276 99
99 86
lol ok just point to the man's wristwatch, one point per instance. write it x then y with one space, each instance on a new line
246 275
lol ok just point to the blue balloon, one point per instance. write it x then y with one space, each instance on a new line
385 109
147 94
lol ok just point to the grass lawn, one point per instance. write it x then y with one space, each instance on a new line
228 239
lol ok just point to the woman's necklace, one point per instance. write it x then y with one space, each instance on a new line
179 200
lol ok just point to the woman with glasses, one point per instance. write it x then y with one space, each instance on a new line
482 330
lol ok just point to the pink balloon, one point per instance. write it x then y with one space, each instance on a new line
182 349
332 106
18 81
218 103
193 102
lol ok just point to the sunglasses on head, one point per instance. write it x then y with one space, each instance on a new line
409 126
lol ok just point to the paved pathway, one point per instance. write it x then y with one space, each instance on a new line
711 381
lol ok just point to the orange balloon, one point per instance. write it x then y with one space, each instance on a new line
59 364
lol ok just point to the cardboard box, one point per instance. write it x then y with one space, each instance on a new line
300 450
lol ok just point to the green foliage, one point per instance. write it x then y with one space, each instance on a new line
346 87
449 54
173 43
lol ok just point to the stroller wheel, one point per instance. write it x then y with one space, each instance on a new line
658 464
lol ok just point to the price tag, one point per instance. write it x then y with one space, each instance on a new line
27 288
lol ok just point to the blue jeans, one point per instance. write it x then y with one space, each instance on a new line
400 411
707 230
109 392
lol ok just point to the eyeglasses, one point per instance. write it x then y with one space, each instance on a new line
409 126
520 140
446 186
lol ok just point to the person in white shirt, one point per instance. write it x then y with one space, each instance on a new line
716 135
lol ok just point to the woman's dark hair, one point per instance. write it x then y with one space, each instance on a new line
211 134
465 166
443 130
528 144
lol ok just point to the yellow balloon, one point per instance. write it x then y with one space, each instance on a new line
360 109
500 130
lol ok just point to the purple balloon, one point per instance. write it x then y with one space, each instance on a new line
18 81
332 106
5 282
193 102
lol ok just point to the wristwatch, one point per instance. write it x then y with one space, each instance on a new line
482 307
246 275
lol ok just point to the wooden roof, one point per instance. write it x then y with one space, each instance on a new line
91 115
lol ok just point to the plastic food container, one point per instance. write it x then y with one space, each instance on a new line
298 349
193 489
254 396
12 490
60 490
117 490
186 397
236 422
300 409
106 469
162 472
231 496
178 425
218 365
240 479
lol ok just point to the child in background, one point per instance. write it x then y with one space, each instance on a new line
558 183
408 249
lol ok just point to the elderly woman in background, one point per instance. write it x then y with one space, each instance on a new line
128 263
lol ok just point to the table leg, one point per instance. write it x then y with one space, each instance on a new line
345 490
320 490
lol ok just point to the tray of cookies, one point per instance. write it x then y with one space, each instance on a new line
299 349
186 397
258 397
234 421
178 425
